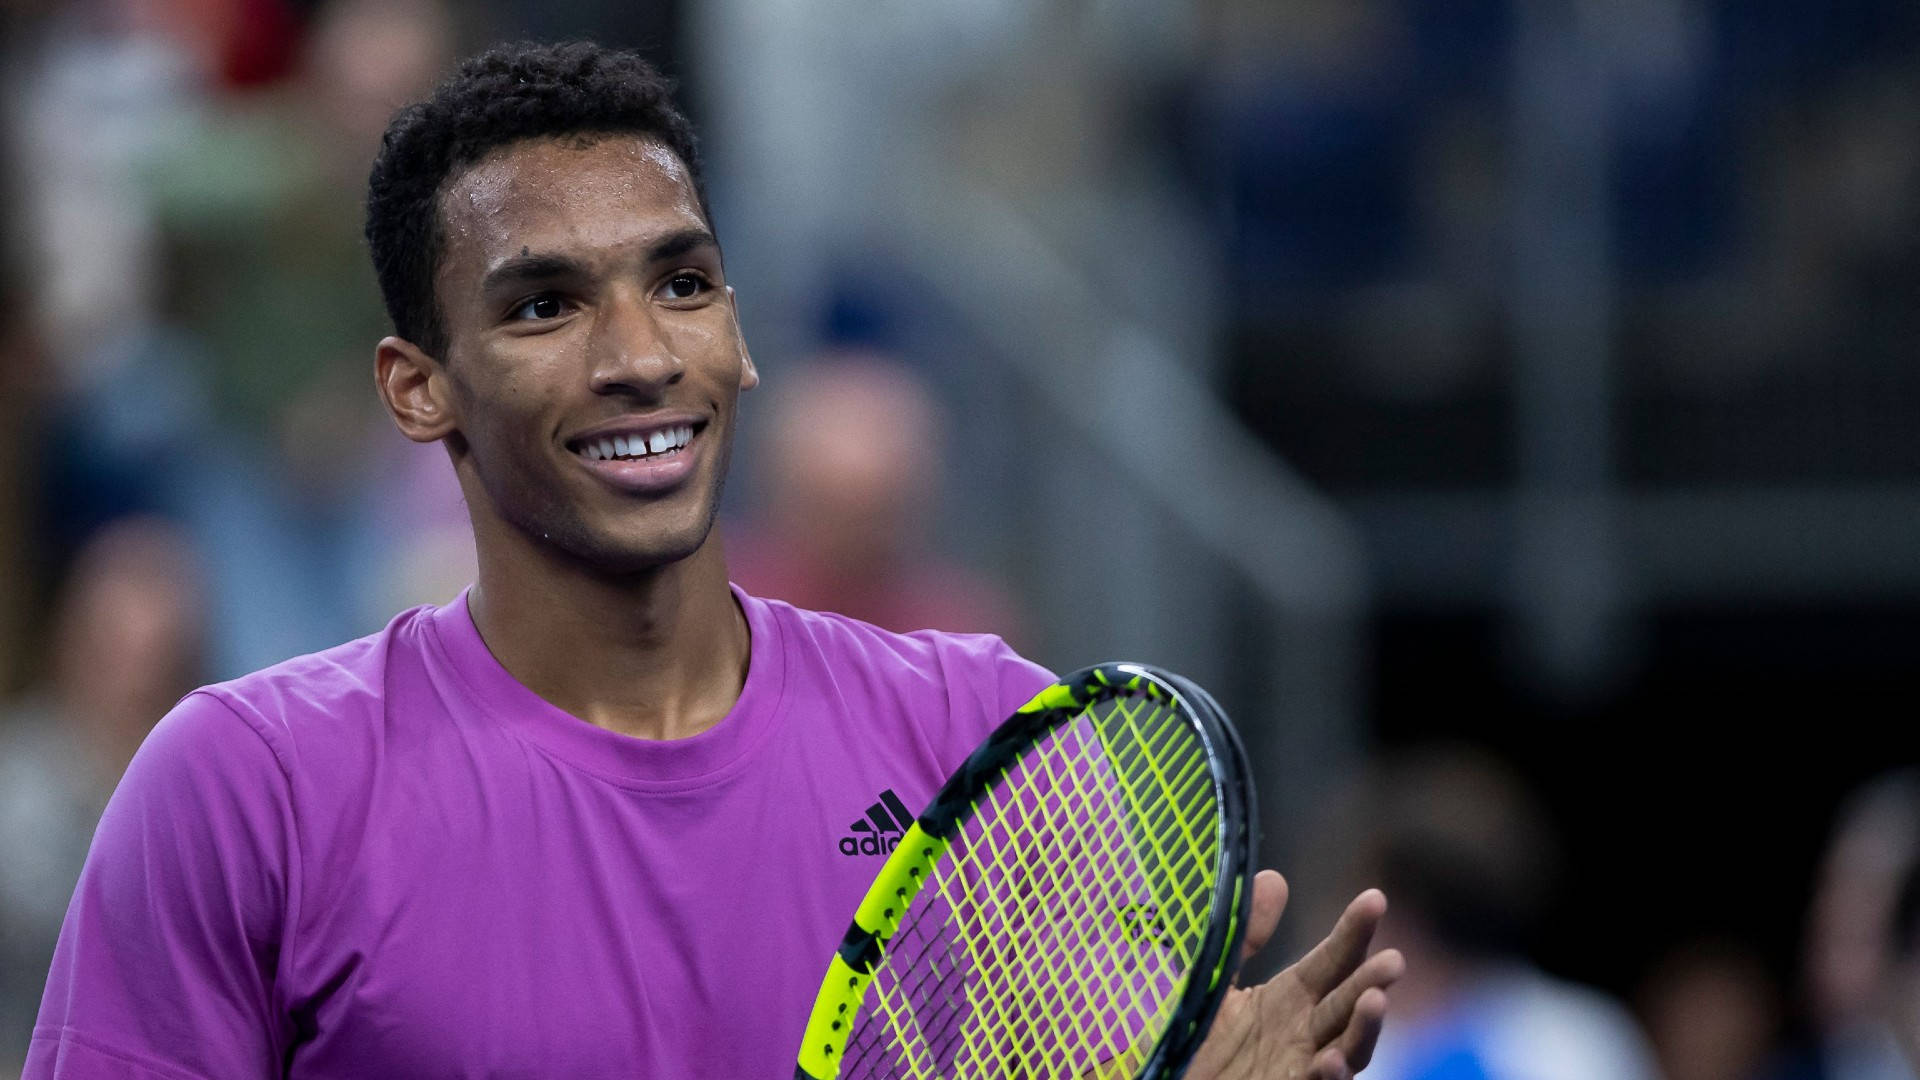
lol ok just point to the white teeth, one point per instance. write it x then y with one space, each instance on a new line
634 446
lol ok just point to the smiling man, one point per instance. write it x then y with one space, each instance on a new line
586 820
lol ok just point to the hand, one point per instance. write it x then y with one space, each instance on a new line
1317 1020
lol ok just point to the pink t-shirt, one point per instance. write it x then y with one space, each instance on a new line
391 859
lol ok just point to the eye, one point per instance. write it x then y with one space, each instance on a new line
684 286
546 306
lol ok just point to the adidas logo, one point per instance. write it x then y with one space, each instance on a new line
880 831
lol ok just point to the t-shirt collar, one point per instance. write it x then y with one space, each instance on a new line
645 764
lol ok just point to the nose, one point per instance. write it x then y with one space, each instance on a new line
632 352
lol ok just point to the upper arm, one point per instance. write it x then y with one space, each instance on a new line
171 946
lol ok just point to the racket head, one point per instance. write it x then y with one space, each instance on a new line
1109 824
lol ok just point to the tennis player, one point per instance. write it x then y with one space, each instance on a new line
603 815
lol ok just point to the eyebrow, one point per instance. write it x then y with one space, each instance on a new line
537 267
675 244
522 269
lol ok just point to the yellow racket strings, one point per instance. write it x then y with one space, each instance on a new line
1062 927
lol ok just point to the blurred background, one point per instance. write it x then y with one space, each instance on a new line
1509 409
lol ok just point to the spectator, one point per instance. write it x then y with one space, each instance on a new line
1850 939
854 462
295 474
125 646
1467 857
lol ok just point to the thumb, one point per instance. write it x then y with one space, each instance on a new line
1269 900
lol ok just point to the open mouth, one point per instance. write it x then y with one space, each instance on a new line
655 445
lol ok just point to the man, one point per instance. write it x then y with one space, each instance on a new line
585 820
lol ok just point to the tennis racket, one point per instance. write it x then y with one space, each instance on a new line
1070 905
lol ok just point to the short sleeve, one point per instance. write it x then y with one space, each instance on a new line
167 958
1018 679
986 683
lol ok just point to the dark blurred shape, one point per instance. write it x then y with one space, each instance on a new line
653 27
1462 844
22 396
1851 965
1468 858
1712 1011
1310 107
1903 981
126 645
852 474
1871 848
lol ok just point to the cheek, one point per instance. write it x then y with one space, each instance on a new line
502 431
709 344
512 394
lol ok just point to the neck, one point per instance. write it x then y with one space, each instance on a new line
656 655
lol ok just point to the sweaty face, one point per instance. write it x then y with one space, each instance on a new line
593 349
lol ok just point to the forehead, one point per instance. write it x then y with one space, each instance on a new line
596 192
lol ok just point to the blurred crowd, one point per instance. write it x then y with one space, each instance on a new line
198 306
196 479
1469 859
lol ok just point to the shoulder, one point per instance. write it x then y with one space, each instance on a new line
957 687
1589 1033
323 693
921 657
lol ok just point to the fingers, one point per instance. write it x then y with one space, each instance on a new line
1335 1012
1329 1065
1343 951
1369 1016
1355 1048
1269 900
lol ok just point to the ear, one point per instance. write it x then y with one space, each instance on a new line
415 389
749 375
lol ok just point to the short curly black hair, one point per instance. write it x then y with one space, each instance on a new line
511 92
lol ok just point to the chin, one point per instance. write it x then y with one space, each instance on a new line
643 559
622 552
609 538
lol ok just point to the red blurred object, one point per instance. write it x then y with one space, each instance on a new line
261 39
240 44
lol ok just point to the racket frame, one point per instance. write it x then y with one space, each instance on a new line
852 967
